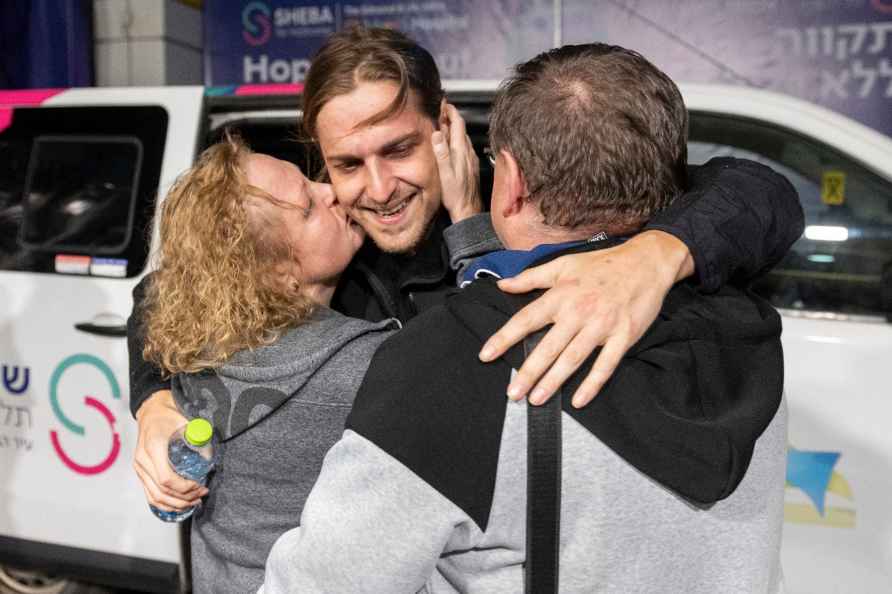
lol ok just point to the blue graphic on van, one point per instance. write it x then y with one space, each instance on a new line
811 472
11 381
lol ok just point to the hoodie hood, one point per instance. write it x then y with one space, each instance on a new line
684 407
688 400
254 383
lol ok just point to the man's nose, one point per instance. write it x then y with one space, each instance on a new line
381 184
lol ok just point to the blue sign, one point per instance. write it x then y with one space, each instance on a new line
272 41
811 472
836 53
263 42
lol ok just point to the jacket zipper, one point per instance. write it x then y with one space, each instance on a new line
379 290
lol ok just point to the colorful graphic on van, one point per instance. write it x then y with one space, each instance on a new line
12 99
813 474
257 23
268 89
16 379
90 401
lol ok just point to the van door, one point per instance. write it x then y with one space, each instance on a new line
837 347
79 175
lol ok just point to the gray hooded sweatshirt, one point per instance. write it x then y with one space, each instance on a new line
277 409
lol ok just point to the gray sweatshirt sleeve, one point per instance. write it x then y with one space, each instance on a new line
469 239
369 525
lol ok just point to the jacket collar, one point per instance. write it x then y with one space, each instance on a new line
508 263
428 265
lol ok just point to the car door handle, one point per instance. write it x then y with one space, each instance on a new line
104 325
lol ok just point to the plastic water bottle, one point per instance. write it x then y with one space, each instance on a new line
190 452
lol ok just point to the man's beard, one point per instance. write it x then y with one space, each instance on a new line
410 246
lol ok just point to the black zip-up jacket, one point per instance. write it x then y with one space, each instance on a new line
378 285
738 219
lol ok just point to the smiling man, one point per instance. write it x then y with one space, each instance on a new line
386 174
402 165
400 161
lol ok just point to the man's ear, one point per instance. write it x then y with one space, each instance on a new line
515 185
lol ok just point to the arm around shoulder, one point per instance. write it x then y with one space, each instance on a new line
738 219
689 401
145 378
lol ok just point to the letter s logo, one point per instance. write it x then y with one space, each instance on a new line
83 359
258 27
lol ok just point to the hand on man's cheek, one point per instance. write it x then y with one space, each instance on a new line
458 166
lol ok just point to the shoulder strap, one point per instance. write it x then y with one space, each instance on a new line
543 490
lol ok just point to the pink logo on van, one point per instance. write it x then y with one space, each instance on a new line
11 99
91 402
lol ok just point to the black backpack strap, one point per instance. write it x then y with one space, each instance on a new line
543 490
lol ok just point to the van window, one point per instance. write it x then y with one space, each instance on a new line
838 263
13 167
80 194
78 188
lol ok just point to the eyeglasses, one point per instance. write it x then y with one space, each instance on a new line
489 155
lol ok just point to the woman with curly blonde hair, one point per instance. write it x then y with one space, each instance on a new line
250 255
225 282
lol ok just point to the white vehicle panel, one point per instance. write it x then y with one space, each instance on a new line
838 522
864 144
839 399
66 467
183 106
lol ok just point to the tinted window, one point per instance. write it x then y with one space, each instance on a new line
78 187
80 194
13 167
276 136
837 265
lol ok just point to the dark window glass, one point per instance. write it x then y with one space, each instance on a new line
80 194
274 136
78 184
13 166
837 265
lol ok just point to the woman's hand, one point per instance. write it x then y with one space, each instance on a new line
606 297
158 418
458 165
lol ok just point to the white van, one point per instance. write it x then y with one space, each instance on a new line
80 171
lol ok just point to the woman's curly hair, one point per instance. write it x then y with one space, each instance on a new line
223 256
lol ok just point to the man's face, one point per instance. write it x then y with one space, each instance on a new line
385 175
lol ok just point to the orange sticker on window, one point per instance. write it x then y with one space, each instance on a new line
833 188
